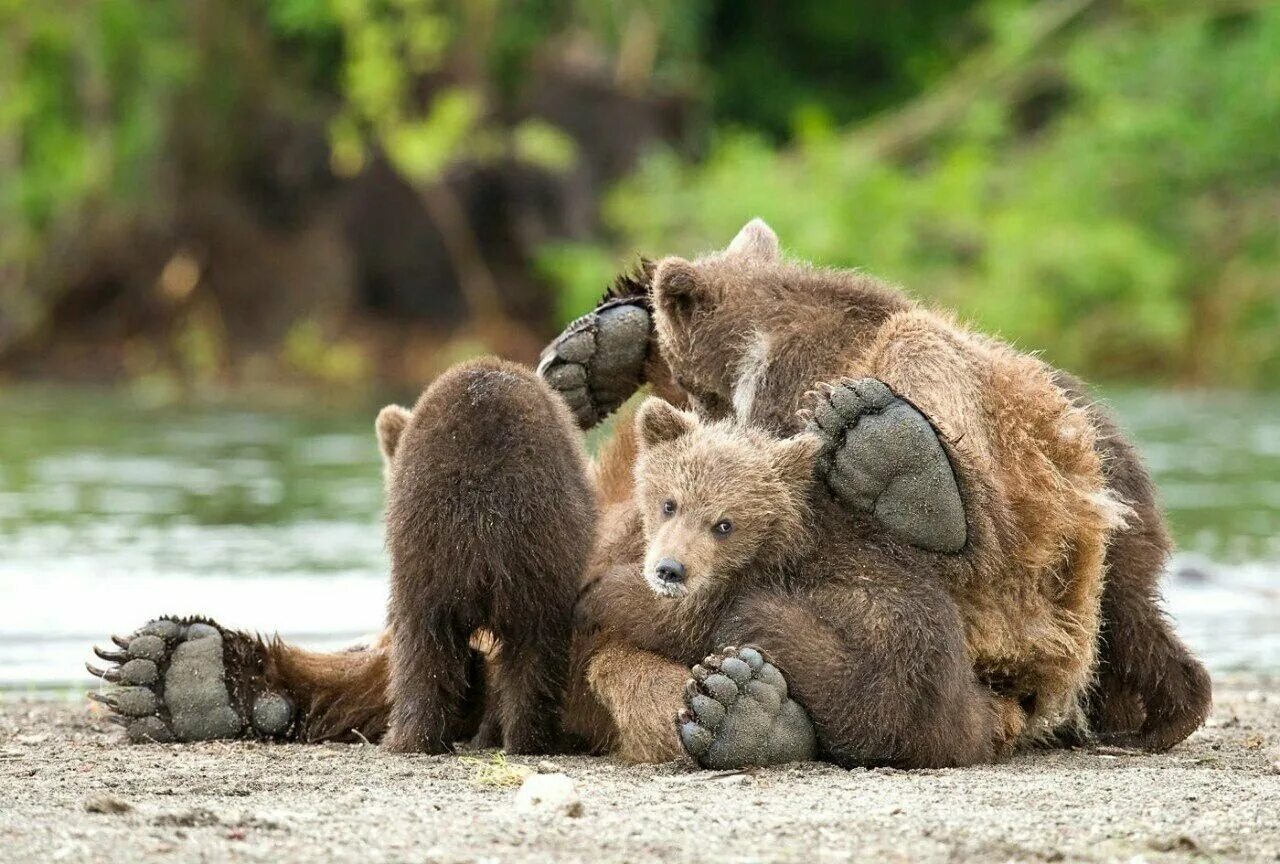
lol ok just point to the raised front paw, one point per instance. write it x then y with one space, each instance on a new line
189 680
598 361
880 455
737 714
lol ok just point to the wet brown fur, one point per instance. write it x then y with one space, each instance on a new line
1046 577
490 522
873 651
1049 483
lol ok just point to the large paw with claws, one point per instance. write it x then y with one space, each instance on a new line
190 680
598 361
881 456
737 714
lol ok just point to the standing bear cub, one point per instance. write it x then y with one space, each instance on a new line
490 521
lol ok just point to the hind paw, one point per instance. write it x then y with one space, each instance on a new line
881 456
1166 711
598 361
737 714
190 680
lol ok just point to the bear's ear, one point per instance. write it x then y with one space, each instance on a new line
796 459
676 286
659 421
390 424
755 242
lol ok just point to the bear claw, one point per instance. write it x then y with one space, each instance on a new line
176 680
737 714
882 456
598 361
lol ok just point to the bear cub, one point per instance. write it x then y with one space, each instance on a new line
871 666
725 512
717 499
490 522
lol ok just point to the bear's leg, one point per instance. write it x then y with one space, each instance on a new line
642 693
880 668
531 670
277 690
882 456
738 713
189 679
1150 691
599 359
430 683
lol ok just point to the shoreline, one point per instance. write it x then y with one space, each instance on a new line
74 792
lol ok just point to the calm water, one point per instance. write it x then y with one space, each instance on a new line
112 512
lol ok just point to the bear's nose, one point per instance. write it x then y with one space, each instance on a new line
670 570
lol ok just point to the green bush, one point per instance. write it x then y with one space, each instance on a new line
1129 233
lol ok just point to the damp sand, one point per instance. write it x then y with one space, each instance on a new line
71 791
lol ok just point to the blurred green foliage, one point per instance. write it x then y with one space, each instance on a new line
1097 180
83 102
1110 199
83 87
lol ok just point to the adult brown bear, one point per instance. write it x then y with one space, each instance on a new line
744 332
1011 507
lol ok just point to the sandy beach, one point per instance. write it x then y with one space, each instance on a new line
71 791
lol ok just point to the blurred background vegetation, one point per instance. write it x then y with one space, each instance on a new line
257 220
226 193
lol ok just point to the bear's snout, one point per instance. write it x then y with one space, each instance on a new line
670 570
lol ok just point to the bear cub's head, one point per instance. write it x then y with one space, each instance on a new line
720 501
746 332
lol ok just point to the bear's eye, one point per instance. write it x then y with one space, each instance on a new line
723 528
668 507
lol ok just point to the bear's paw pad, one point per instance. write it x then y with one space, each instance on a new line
189 680
598 361
882 456
737 714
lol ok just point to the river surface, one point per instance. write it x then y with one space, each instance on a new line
113 511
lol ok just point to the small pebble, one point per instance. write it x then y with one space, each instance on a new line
554 794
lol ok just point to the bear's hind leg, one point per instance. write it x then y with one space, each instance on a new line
530 677
191 680
882 456
430 684
881 669
738 714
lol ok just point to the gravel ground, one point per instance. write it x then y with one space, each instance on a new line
69 790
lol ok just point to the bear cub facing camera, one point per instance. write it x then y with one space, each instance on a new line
725 512
836 649
716 499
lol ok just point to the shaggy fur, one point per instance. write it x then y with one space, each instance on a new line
1055 592
1150 691
1048 482
874 651
1029 581
490 521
